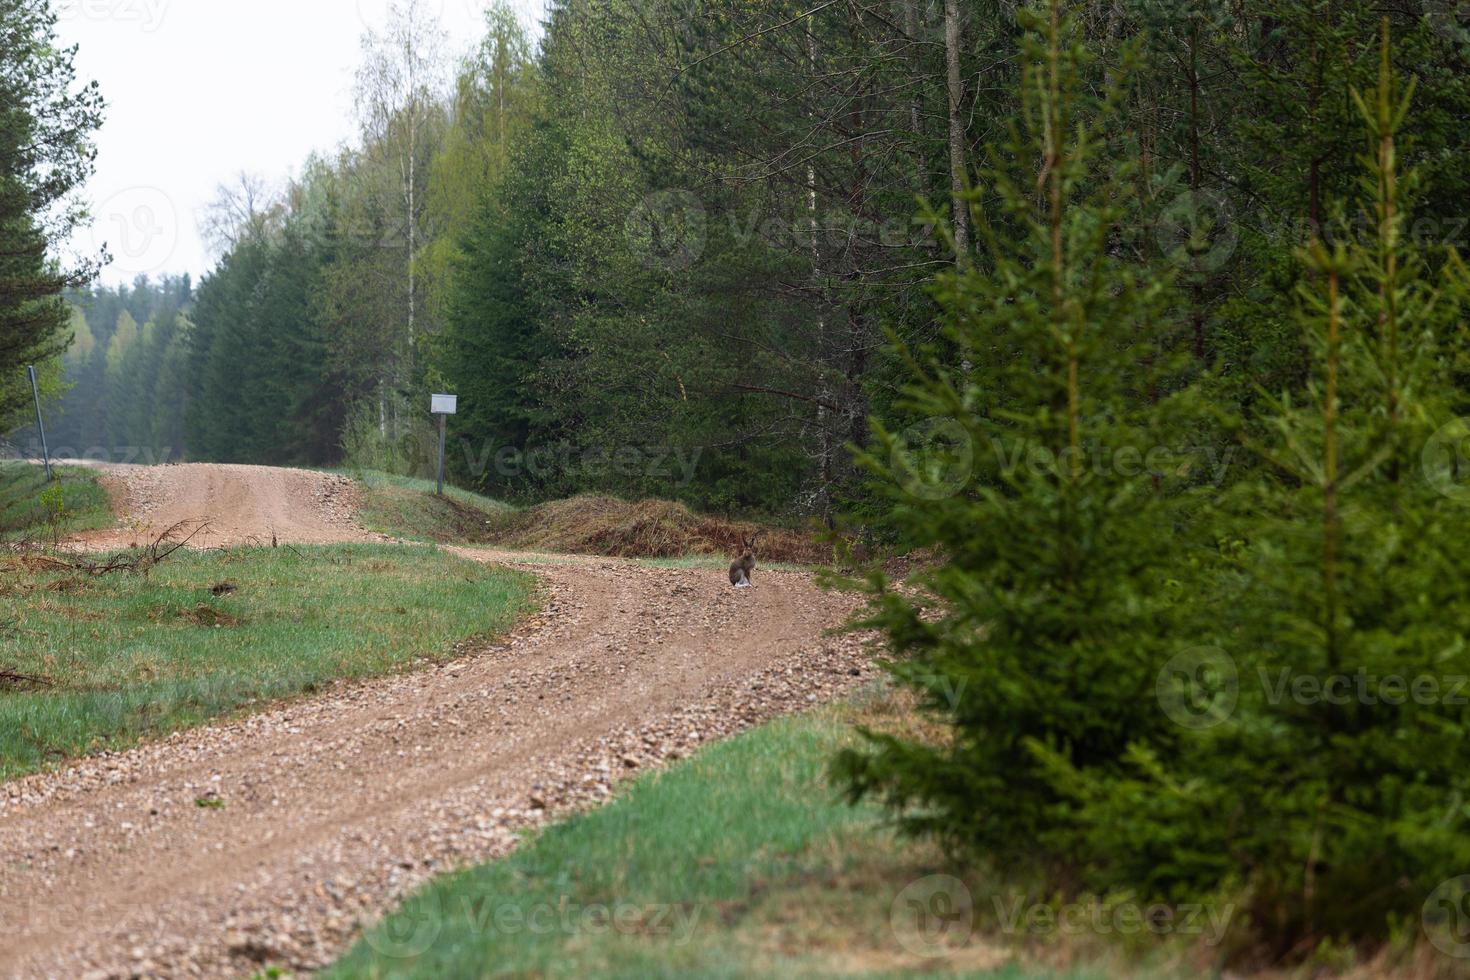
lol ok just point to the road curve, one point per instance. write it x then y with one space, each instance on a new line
330 809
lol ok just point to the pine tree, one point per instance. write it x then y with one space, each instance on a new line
491 349
1354 567
46 153
1047 624
1328 788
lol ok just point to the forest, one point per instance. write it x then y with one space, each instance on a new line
126 376
1142 322
695 228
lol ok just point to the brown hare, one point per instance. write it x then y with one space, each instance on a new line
741 568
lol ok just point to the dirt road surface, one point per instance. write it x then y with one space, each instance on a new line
273 839
241 504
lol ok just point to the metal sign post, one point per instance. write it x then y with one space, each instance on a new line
443 406
40 427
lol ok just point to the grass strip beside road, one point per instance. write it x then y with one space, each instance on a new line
33 509
739 862
89 664
404 507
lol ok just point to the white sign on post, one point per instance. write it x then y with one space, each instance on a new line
443 406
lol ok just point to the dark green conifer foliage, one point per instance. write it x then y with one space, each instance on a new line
1052 613
46 153
492 350
1325 788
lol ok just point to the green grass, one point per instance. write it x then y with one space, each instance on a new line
739 862
408 508
122 657
32 508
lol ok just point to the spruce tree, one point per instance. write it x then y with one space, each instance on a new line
1038 639
1326 793
46 122
1357 568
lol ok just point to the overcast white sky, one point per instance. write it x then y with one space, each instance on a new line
199 90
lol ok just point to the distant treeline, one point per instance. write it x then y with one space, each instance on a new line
689 229
126 373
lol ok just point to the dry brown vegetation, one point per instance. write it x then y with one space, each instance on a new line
646 529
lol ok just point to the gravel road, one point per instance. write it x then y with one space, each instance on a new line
242 505
275 838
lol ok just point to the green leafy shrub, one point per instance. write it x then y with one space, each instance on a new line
53 507
391 436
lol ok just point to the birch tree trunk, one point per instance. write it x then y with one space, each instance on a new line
826 448
398 91
956 88
911 28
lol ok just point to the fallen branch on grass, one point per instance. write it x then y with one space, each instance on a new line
15 681
32 562
165 545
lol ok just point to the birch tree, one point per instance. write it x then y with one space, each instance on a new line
400 93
